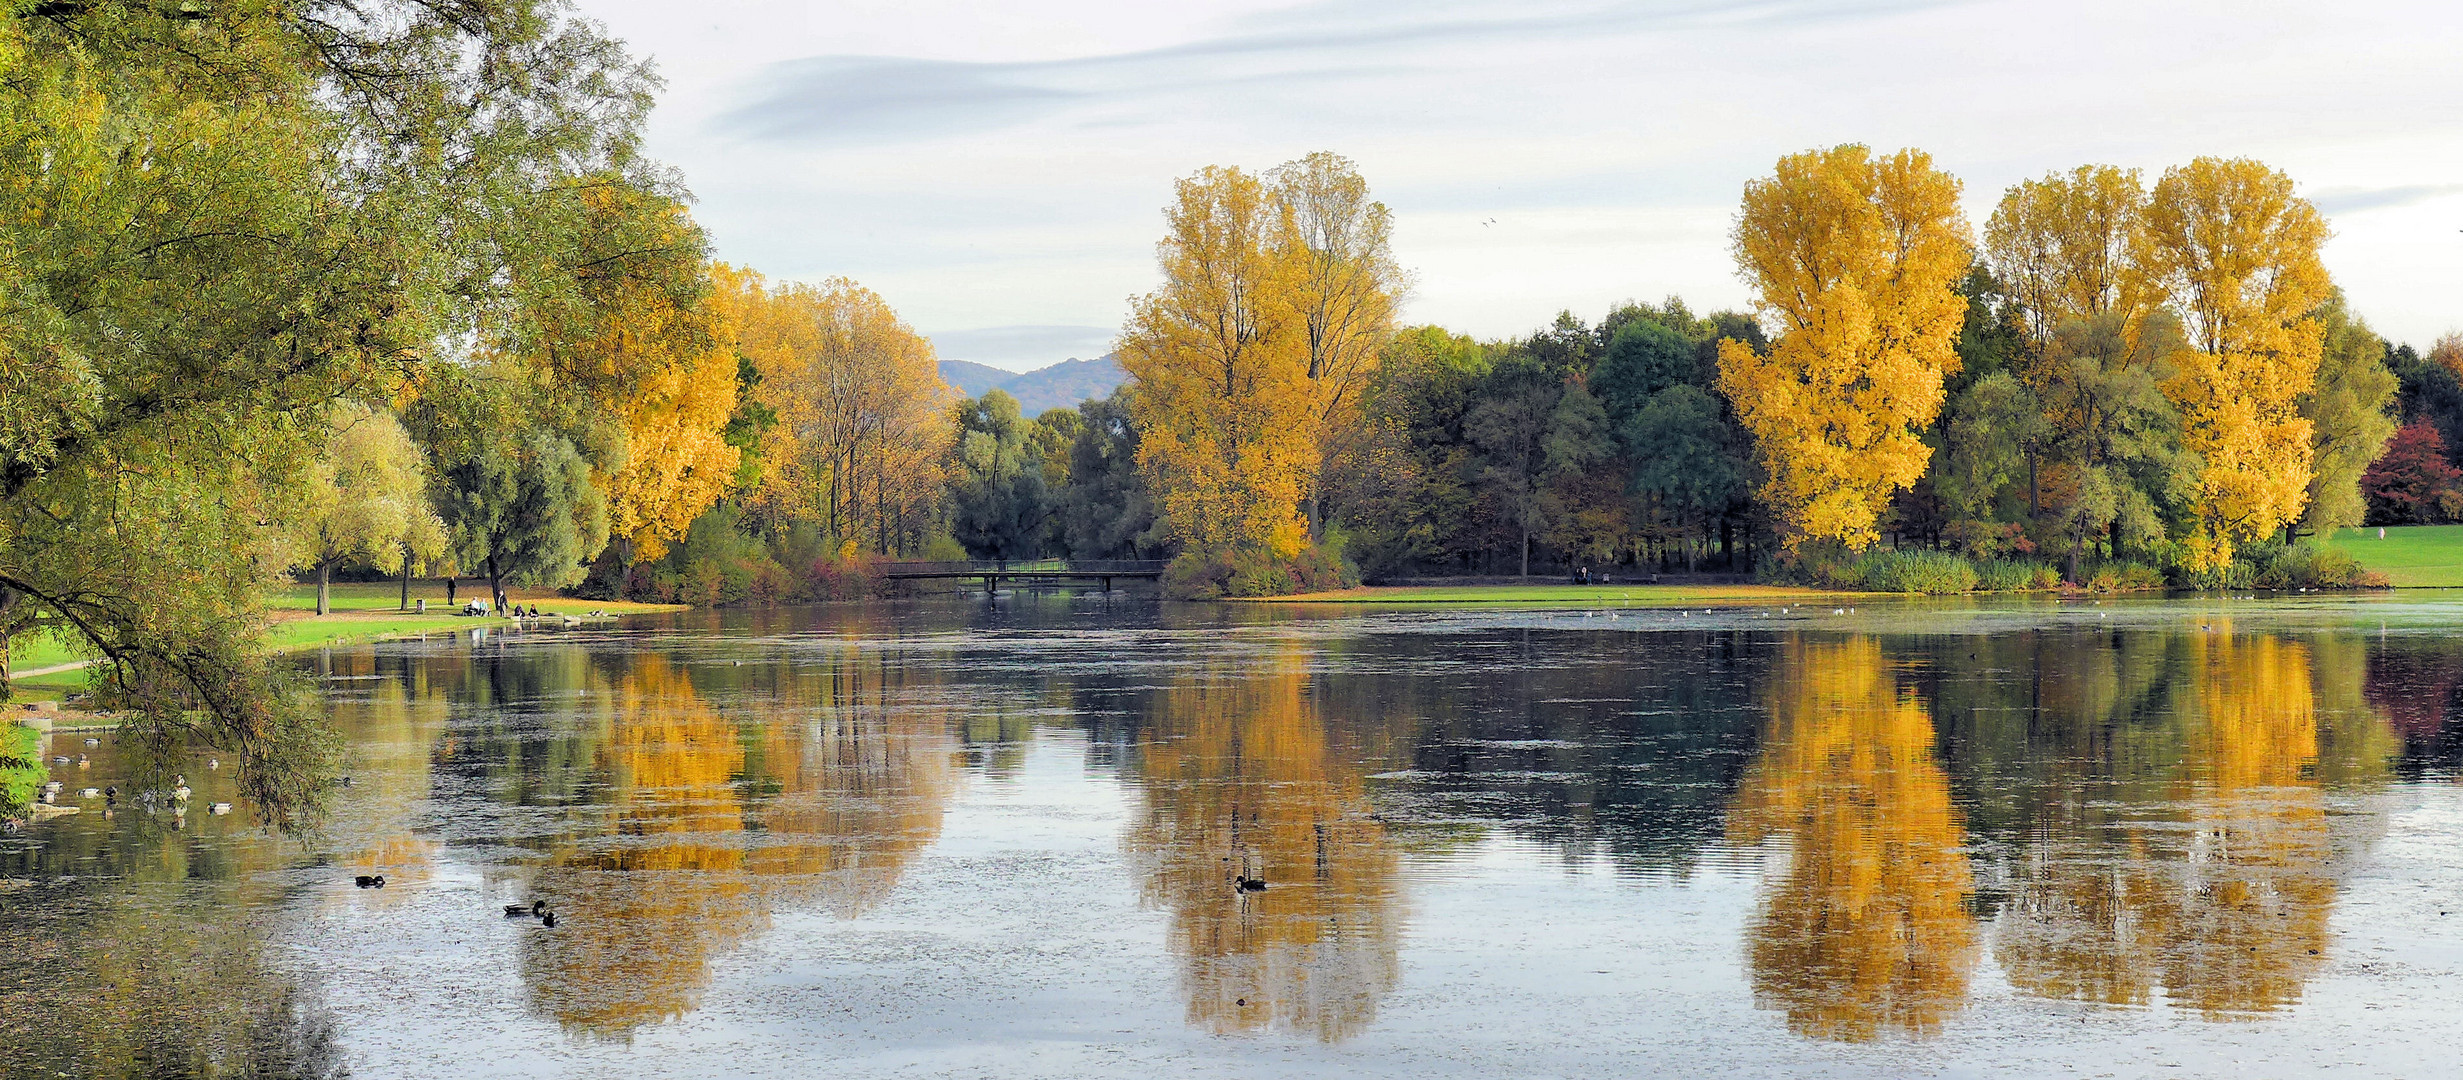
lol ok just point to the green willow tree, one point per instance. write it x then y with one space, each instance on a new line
219 219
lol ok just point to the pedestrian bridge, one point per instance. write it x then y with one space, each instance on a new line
993 574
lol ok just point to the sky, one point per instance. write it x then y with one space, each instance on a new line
997 170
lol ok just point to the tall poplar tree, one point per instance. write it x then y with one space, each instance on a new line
1223 396
1343 286
2230 250
1852 259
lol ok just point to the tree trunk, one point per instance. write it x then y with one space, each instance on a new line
495 585
324 586
1526 552
406 561
8 604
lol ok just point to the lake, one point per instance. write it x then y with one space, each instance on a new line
1071 836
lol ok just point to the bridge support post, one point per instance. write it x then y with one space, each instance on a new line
988 581
1107 585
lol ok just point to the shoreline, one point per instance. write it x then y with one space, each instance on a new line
58 716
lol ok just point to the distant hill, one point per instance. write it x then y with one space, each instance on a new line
972 378
1064 384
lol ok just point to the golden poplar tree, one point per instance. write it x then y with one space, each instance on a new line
2233 253
2060 246
1223 394
1853 258
677 461
1343 287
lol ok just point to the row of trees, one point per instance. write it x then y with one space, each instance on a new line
2157 377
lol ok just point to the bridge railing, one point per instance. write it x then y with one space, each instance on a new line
1026 566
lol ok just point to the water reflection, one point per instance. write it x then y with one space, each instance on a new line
1241 780
2143 819
2217 885
815 793
1866 931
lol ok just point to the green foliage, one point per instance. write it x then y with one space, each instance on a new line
21 768
523 509
222 223
717 563
2348 413
2016 575
999 499
1990 433
2311 566
1105 512
1685 452
1931 573
1643 359
1196 575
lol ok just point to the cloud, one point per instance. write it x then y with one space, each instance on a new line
874 99
2356 200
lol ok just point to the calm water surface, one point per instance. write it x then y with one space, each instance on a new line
2205 838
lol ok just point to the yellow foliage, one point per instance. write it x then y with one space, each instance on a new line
2230 250
1220 362
2060 246
1867 931
677 461
1853 258
1343 287
863 418
1240 780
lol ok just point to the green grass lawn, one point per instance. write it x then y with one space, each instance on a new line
1559 595
2418 556
361 612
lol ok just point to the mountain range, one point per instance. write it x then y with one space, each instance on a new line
1062 385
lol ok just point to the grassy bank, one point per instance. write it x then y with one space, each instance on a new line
361 613
1558 595
2411 556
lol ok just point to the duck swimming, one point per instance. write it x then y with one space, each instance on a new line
534 908
366 881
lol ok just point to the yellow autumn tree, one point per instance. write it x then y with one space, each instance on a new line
1866 931
677 461
2233 253
1852 259
1342 286
863 418
1223 397
2061 246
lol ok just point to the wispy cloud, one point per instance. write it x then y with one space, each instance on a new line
828 100
2355 200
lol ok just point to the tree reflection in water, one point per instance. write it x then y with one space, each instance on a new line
1240 779
2219 888
817 795
1866 931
